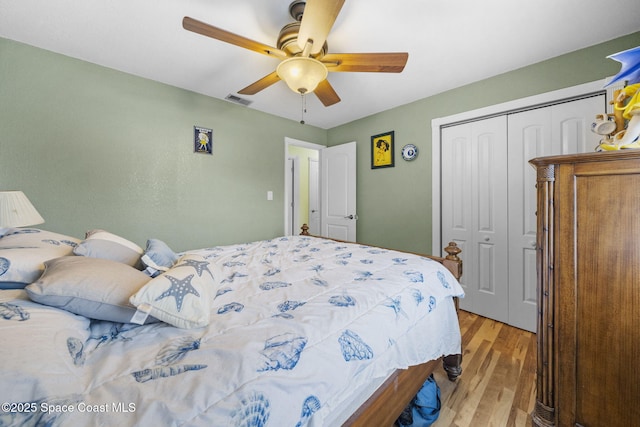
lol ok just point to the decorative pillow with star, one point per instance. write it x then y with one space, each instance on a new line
181 295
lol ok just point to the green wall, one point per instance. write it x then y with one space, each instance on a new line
394 204
96 148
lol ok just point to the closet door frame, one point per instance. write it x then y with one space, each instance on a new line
586 89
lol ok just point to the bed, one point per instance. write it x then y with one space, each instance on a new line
291 331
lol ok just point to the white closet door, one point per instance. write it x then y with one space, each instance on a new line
557 129
571 124
474 211
456 209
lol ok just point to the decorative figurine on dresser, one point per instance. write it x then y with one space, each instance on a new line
621 130
588 265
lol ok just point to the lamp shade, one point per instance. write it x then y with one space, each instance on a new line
302 74
17 211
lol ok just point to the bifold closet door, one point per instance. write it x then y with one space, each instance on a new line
474 211
557 129
489 200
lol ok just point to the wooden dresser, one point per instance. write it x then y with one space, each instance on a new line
588 265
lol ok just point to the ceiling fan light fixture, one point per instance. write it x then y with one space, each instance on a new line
302 74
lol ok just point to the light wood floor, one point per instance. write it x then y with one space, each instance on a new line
497 385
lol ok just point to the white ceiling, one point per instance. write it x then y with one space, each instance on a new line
450 43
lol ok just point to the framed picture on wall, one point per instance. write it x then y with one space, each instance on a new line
382 150
202 140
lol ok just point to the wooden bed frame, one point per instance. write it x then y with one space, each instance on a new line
386 404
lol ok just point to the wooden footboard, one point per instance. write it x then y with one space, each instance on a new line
387 403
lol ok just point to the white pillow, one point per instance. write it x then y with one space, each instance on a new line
23 252
182 295
105 245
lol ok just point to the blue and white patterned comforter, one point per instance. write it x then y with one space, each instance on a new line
297 324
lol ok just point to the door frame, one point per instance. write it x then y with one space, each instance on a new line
314 195
293 168
591 88
287 178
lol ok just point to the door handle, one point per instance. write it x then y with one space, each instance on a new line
351 217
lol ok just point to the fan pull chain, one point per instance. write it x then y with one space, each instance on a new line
304 108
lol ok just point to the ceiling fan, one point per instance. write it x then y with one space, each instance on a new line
303 51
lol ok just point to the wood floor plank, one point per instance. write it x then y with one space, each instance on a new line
496 401
497 385
501 411
470 407
526 390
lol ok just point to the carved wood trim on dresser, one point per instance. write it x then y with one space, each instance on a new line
543 413
588 265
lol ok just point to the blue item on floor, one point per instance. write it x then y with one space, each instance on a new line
424 408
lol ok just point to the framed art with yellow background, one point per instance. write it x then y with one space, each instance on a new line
382 150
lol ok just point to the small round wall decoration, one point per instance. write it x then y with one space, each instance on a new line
409 152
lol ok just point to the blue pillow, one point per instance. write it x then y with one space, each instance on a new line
158 257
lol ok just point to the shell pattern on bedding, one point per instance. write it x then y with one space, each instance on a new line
297 323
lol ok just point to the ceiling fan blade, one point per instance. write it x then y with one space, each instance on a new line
263 83
393 62
205 29
326 94
317 20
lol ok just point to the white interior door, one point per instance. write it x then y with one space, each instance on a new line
338 192
529 137
314 197
571 124
561 128
557 129
474 211
456 211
